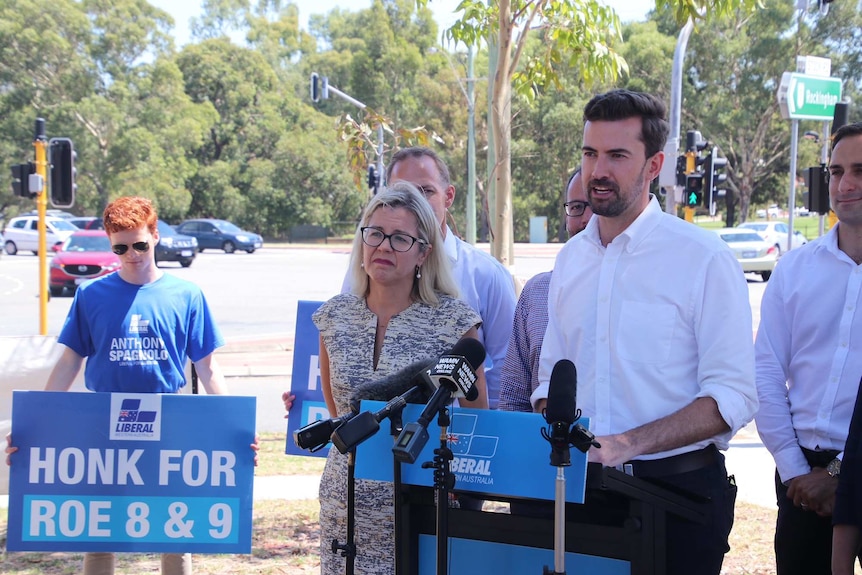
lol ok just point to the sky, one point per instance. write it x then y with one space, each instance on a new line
183 10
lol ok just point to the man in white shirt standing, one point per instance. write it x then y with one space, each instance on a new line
809 367
654 313
483 281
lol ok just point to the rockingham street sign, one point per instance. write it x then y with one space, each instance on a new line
804 97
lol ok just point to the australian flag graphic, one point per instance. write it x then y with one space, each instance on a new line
130 412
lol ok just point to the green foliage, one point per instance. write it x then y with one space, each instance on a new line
225 129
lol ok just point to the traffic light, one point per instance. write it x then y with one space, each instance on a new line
693 190
713 176
315 87
373 178
680 171
817 182
319 87
21 179
63 173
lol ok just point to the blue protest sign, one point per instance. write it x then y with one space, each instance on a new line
309 405
131 472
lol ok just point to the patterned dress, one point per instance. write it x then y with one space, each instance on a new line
348 329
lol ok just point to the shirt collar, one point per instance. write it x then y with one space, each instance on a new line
637 231
450 245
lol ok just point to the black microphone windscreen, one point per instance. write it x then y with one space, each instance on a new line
561 393
470 349
396 384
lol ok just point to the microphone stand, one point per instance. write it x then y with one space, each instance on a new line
395 427
444 482
348 549
561 458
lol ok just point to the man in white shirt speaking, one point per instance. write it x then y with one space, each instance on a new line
654 313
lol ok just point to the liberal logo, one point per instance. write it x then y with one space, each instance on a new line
138 325
473 452
136 416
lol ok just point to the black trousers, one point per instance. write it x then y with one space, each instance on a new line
803 539
692 549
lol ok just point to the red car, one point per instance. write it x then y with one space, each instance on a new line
83 256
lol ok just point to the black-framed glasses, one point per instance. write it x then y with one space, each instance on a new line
140 247
576 208
399 242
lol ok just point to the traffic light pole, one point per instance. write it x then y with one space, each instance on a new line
40 143
317 94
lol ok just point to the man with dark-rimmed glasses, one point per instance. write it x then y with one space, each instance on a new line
520 374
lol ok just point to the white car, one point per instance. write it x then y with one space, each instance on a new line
22 233
753 253
776 234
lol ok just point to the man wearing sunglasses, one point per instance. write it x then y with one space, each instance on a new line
137 327
520 374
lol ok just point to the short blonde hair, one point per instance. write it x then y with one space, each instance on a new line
436 271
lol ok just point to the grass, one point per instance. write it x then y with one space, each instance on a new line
273 461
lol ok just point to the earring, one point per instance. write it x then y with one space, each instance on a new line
362 264
418 272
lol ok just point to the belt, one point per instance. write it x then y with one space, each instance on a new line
675 464
820 458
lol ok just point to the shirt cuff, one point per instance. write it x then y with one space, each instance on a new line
791 463
540 392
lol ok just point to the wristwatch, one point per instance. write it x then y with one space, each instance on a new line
834 468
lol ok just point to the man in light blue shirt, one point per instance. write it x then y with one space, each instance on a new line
483 282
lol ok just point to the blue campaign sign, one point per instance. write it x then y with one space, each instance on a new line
131 472
491 449
309 405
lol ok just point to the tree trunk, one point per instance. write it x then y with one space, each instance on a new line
501 115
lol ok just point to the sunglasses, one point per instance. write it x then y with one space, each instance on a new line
140 247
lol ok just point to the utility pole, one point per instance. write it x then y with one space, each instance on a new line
470 212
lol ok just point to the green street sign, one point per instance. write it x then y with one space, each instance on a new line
804 97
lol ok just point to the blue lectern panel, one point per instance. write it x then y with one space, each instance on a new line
496 453
467 557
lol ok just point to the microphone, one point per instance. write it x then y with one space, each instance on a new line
454 373
353 432
560 411
316 435
396 384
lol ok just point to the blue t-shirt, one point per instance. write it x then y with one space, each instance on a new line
137 338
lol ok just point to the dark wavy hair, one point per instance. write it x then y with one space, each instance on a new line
623 104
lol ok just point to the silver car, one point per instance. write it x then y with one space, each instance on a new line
22 233
754 254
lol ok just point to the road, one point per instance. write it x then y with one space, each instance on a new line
251 295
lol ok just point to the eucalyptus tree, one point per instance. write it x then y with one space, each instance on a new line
99 71
579 33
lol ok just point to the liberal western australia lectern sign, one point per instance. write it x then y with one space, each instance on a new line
131 472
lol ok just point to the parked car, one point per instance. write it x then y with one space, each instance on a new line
175 247
88 222
752 252
220 235
85 255
22 233
776 233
